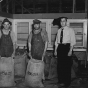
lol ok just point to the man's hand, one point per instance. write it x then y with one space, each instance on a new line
43 55
30 54
13 55
55 53
69 53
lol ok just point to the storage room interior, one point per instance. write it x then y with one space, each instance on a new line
22 14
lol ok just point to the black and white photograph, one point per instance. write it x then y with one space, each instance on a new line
43 44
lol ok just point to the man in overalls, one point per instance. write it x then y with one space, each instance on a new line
7 39
38 40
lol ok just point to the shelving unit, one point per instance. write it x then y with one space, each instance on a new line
22 32
80 27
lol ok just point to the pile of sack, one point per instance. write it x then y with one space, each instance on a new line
74 68
47 62
20 62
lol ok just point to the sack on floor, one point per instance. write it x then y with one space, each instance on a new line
73 75
34 73
47 60
74 67
6 72
53 68
20 65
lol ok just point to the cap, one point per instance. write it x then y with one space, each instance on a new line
6 20
36 21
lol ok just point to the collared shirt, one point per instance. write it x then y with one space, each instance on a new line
12 36
68 36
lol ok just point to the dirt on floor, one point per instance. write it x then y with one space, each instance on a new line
76 83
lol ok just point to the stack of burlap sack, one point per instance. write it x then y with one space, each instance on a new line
31 69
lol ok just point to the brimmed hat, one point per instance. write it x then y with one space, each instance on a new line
6 20
36 21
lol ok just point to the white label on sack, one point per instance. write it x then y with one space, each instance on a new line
32 74
5 73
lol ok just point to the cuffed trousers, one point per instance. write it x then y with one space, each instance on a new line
64 64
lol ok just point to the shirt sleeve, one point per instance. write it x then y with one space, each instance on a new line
0 34
13 36
30 37
73 39
45 36
56 41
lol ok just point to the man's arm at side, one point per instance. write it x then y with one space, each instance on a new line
73 42
56 45
14 41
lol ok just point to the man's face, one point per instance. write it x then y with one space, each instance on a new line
36 26
63 22
6 25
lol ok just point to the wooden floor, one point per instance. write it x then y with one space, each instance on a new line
76 83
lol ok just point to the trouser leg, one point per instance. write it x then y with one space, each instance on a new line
64 67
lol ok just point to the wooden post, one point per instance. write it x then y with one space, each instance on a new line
86 6
0 7
22 6
47 6
74 6
13 6
60 6
34 1
87 35
7 6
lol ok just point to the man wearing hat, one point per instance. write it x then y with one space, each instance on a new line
7 39
38 40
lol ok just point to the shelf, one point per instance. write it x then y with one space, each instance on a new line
22 33
78 34
21 39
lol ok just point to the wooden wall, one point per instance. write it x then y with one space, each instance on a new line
2 14
50 16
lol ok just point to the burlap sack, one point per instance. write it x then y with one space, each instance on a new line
20 65
6 72
34 73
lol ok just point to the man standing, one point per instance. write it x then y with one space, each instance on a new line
7 39
65 41
37 41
